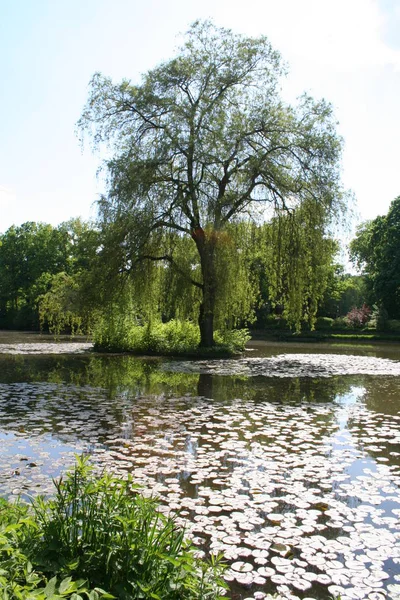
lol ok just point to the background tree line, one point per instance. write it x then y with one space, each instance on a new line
64 279
38 261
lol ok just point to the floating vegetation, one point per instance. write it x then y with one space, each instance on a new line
46 348
301 498
291 365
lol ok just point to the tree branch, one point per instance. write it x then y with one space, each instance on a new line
171 261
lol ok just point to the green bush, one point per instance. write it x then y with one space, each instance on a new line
340 323
392 325
379 318
98 534
323 323
115 331
233 340
119 334
21 578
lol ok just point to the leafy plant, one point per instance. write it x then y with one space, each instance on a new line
233 339
358 317
393 325
323 323
98 534
119 333
340 323
19 580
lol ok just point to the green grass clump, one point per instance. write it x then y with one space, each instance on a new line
99 538
119 334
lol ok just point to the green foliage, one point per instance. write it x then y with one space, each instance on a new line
200 145
343 291
29 254
98 533
292 261
340 323
58 307
233 339
119 332
19 580
323 323
376 250
393 325
43 265
379 318
273 321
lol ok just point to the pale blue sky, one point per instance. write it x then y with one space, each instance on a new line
347 51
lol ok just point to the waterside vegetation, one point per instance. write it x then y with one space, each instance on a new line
98 538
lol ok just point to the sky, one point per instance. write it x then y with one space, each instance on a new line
346 51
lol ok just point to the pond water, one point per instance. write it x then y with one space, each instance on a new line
286 461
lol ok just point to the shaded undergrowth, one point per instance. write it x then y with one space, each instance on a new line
99 538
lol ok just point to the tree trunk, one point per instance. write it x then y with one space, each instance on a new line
206 248
206 324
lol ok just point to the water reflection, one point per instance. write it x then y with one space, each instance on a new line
295 480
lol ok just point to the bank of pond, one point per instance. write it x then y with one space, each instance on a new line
280 469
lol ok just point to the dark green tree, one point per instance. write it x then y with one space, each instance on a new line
205 141
31 257
376 251
343 292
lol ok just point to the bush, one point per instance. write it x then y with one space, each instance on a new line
393 325
340 323
379 318
119 334
323 323
234 340
99 534
358 317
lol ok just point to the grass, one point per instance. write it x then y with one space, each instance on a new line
99 538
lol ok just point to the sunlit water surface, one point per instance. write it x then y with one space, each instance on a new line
286 461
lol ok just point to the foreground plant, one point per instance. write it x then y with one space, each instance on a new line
18 578
99 534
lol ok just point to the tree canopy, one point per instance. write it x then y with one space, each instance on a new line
202 143
376 251
34 258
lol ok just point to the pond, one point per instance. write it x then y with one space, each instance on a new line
286 461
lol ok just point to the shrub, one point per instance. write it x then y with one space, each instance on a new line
98 534
234 340
116 331
323 323
358 317
379 318
393 325
340 323
19 578
120 334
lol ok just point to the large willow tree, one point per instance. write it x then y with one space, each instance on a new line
202 142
